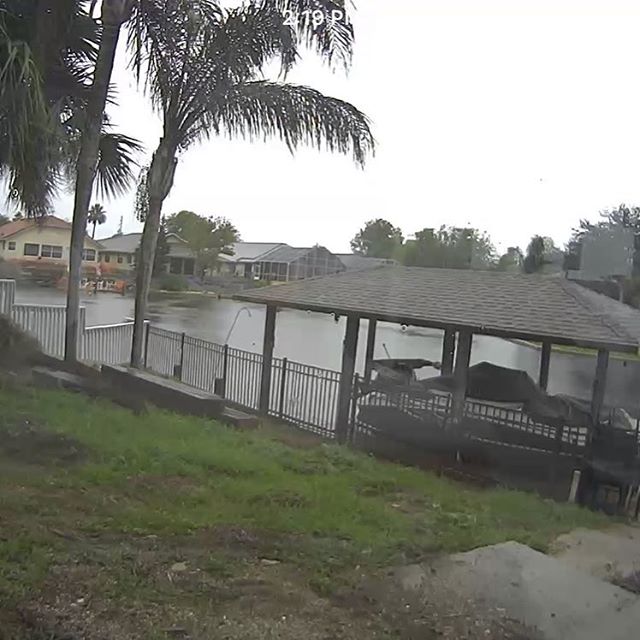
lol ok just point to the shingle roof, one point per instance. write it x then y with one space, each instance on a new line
123 243
493 303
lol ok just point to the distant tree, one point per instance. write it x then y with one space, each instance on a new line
537 254
449 247
4 219
207 237
377 239
18 216
161 258
620 217
97 215
534 260
511 261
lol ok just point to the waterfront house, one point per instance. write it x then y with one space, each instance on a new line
41 246
278 262
118 254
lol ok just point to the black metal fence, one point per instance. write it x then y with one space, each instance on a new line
301 394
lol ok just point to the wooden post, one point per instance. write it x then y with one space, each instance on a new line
371 347
599 385
267 358
545 359
448 351
463 356
349 349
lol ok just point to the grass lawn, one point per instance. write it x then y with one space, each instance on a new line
162 517
582 351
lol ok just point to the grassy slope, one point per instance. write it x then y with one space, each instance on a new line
163 474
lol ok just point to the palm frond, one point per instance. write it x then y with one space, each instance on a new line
295 114
188 46
47 50
24 124
322 25
116 162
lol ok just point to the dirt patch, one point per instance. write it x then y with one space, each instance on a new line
441 614
232 584
30 444
630 582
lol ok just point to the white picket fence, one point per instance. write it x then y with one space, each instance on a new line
107 344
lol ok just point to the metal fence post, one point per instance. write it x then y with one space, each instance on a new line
353 408
283 381
181 365
146 344
225 368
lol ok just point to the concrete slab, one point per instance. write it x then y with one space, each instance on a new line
163 392
542 593
50 379
612 555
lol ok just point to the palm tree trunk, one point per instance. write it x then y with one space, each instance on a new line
160 181
86 171
143 277
93 233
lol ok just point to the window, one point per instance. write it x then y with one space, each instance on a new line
107 257
89 255
12 245
120 259
50 251
31 249
130 259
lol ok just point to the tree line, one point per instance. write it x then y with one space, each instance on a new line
453 248
202 65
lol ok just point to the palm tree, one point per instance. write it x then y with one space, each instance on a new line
114 14
48 53
332 39
97 215
203 69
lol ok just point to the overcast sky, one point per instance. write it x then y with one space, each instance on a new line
516 116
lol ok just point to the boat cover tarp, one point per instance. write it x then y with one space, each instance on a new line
492 383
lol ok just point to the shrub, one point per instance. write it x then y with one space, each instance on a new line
172 282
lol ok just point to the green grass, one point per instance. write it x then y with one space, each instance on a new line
582 351
324 509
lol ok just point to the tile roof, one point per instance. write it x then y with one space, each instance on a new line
11 228
493 303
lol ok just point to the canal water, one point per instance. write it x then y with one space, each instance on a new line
316 339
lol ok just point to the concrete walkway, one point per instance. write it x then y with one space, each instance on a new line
547 595
612 555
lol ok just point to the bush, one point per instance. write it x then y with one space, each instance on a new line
16 347
172 282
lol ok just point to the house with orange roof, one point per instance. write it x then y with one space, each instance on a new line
42 245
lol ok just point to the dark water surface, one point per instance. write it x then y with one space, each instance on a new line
316 339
